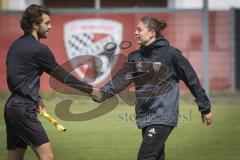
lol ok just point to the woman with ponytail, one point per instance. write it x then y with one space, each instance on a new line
156 69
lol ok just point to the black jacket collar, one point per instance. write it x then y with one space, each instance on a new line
159 42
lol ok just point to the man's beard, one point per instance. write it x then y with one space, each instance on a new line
41 33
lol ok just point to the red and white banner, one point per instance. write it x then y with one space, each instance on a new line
86 34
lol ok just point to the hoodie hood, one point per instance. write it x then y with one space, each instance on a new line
159 42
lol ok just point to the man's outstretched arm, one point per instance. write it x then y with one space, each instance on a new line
47 63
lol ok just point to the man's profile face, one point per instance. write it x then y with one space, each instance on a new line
44 27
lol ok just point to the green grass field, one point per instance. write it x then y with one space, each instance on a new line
112 137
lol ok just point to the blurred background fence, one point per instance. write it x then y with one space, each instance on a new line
185 32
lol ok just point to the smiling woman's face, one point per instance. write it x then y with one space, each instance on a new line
143 35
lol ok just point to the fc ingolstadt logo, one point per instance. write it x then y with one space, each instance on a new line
93 37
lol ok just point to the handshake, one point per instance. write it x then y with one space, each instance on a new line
97 95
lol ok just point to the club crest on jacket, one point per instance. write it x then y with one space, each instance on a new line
156 66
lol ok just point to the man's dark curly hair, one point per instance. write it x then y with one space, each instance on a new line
33 14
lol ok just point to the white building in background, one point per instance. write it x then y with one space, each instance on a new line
197 4
22 4
18 4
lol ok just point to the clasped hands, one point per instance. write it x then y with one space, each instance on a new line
96 95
